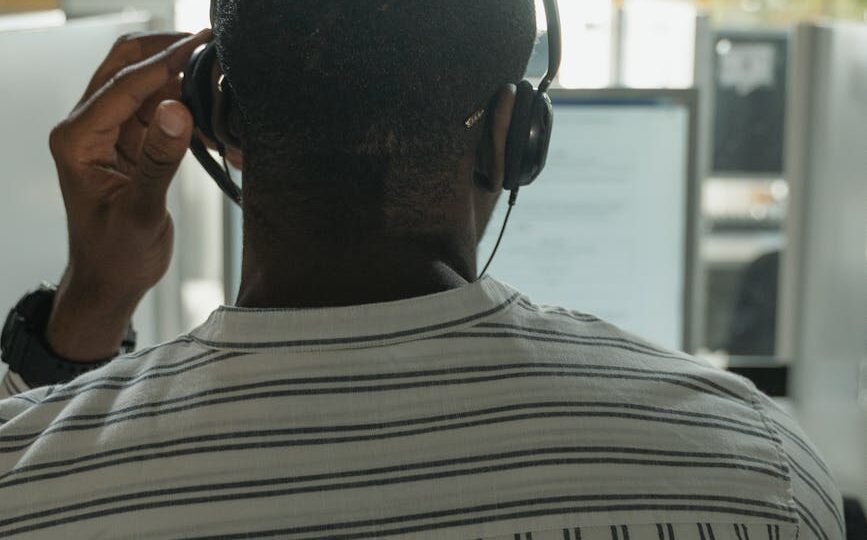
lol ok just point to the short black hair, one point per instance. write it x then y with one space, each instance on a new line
369 87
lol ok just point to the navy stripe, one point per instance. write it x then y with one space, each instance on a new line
57 425
577 533
659 531
614 535
823 495
26 399
805 520
488 468
405 468
670 532
625 529
138 355
807 517
777 532
701 531
271 395
566 535
595 341
794 437
576 369
746 532
614 345
737 531
553 310
547 332
574 461
770 532
710 531
580 368
356 340
410 422
533 502
429 527
68 392
259 444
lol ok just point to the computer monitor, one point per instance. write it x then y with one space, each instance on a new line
610 227
749 89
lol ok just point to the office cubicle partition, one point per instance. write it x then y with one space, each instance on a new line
823 312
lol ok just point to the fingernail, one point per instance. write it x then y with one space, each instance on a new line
206 33
178 54
172 124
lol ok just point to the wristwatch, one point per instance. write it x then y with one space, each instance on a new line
24 348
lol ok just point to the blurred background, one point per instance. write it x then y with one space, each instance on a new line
707 187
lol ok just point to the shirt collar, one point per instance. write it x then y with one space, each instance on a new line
232 328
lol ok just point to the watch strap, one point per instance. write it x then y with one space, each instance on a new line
28 354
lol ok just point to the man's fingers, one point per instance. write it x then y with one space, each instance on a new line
165 145
128 90
171 91
128 50
133 132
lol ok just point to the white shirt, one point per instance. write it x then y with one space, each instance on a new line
467 414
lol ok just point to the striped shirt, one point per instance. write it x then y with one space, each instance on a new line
472 413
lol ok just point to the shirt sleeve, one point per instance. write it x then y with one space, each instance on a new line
16 397
816 497
12 384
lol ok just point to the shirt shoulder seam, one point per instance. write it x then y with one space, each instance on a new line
782 456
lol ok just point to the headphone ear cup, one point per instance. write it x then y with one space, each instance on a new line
197 92
519 135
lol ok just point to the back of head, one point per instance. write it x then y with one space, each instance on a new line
338 94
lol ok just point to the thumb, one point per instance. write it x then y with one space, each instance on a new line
165 144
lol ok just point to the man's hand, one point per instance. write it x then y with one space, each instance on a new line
116 155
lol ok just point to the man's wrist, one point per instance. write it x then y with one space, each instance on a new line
88 324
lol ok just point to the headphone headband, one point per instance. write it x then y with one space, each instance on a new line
555 44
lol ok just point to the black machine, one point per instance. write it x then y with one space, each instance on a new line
526 146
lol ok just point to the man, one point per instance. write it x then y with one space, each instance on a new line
367 384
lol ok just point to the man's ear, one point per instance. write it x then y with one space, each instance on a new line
491 155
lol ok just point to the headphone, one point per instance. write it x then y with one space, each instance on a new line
197 95
526 145
533 117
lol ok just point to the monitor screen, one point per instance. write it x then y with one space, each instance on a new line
606 229
750 102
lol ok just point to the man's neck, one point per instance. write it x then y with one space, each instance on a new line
309 275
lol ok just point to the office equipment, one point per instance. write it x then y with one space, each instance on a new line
823 311
750 69
610 228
